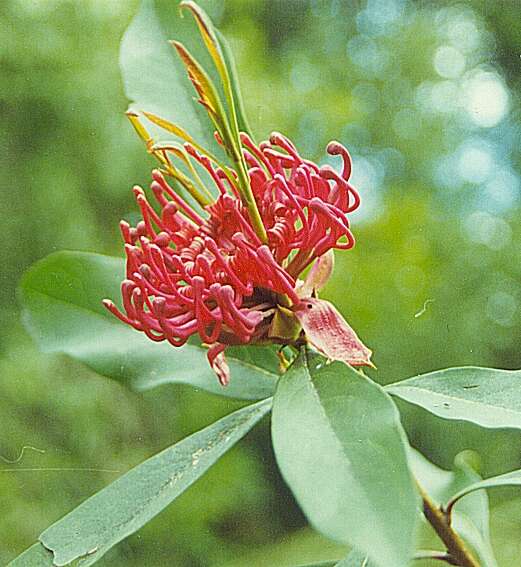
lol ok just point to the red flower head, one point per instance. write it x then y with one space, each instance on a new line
211 275
224 263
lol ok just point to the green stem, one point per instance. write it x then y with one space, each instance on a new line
248 197
456 548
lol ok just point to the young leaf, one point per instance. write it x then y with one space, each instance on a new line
485 396
210 39
214 47
124 506
205 88
228 128
512 478
340 446
176 131
61 298
242 119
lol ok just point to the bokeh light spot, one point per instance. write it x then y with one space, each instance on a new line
449 62
475 161
486 98
484 228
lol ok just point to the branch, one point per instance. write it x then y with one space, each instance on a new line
456 548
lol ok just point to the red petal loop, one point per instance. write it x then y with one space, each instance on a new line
205 271
330 333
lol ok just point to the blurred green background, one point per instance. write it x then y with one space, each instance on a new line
426 97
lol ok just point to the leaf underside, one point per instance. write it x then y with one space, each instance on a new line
487 397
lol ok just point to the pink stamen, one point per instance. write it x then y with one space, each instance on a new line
157 176
213 277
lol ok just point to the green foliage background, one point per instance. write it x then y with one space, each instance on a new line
439 221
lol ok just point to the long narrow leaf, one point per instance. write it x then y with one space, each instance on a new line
124 506
340 446
485 396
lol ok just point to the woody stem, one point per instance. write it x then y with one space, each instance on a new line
456 547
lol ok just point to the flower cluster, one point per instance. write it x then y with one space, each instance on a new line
207 272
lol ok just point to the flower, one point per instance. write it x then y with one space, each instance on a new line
224 263
208 272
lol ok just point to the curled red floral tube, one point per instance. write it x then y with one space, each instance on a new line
207 273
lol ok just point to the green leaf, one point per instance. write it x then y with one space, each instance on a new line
340 446
441 484
236 89
442 439
35 556
124 506
61 297
485 396
480 544
355 559
512 478
471 520
154 78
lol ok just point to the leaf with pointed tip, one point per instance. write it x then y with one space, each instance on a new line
485 396
210 39
61 298
340 446
124 506
203 85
